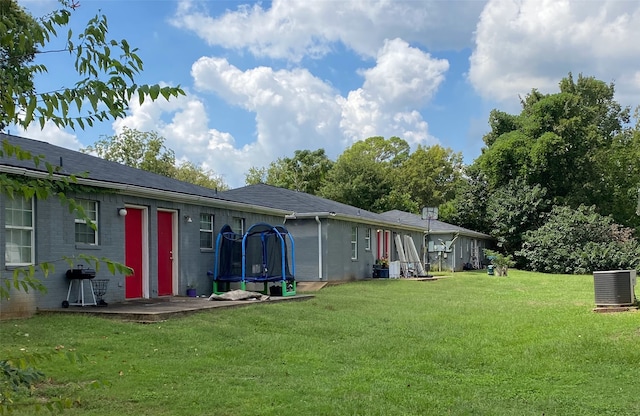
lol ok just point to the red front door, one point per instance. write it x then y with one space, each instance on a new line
387 245
384 244
165 253
133 253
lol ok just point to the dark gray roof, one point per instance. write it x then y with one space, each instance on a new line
434 226
297 202
72 162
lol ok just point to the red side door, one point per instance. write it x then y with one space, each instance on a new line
387 245
165 253
133 254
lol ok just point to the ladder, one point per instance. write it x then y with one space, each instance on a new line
403 259
413 255
475 255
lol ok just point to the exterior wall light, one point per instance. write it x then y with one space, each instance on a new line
187 218
122 212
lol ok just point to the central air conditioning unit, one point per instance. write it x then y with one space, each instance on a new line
614 287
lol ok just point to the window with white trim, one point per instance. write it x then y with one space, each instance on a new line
354 243
206 230
84 231
19 232
367 239
237 225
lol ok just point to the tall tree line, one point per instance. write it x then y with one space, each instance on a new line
575 149
568 159
375 174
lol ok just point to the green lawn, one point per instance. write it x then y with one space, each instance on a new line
472 344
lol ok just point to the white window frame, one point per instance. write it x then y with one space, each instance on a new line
85 203
367 239
31 229
207 219
354 243
235 221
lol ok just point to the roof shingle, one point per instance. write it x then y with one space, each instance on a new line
72 162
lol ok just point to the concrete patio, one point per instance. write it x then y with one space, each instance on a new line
161 309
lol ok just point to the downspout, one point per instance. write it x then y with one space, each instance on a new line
293 217
455 259
319 248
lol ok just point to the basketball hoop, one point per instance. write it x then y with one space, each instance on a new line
431 213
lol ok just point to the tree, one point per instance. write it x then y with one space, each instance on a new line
500 123
620 178
430 175
555 140
356 181
14 61
255 176
198 175
305 172
515 209
141 150
469 206
107 71
363 174
570 148
396 199
146 151
506 159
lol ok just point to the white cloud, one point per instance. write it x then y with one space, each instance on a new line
404 78
404 75
51 133
294 110
528 44
295 29
148 115
188 135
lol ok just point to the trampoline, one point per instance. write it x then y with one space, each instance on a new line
264 254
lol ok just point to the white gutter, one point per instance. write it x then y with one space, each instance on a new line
387 224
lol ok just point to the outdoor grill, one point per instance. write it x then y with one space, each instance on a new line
78 276
81 273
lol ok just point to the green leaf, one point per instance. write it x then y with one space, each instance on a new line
111 267
166 92
154 91
30 110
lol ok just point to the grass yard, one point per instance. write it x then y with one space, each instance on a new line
472 344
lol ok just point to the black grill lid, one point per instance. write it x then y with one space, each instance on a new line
81 273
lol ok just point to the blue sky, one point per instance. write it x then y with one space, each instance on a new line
264 79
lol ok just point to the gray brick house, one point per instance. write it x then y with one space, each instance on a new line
166 229
341 242
448 247
161 227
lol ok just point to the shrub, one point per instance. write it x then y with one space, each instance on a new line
579 241
500 261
